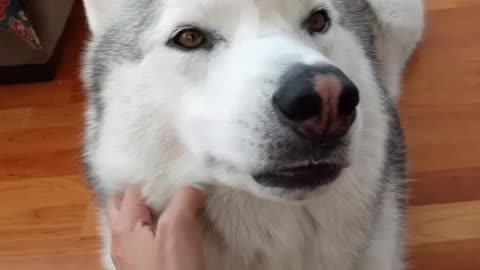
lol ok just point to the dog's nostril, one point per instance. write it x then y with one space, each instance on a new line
296 99
348 100
299 106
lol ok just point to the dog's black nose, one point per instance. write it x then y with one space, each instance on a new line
317 101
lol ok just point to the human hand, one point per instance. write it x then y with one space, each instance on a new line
175 243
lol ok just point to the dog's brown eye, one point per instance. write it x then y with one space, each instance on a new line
317 22
190 39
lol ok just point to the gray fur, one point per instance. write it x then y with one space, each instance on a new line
118 45
362 21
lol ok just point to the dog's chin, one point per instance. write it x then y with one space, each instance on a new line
290 196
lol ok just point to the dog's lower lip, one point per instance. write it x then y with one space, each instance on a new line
310 166
308 176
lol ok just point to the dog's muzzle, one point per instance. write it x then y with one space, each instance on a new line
319 104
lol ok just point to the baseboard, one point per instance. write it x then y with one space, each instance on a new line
32 73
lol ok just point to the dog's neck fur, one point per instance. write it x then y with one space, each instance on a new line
250 233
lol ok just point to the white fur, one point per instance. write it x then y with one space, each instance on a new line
160 125
401 30
386 240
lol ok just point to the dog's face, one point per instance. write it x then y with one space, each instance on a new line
275 97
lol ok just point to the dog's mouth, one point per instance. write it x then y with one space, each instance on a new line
306 175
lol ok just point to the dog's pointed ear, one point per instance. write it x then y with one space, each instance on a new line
98 13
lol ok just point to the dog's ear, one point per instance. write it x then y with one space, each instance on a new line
98 13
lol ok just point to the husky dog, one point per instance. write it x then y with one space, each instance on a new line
283 111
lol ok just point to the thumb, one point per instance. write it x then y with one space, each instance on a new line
114 206
184 208
134 210
188 201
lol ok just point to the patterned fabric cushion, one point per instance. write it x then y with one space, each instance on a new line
14 18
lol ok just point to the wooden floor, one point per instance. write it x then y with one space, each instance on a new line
46 212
